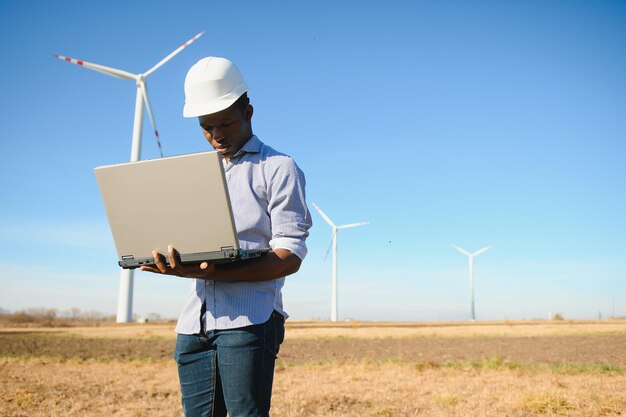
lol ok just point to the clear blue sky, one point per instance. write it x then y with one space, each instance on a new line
480 123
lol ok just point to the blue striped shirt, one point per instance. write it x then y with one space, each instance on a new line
267 195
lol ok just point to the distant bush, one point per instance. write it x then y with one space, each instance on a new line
21 317
50 317
558 316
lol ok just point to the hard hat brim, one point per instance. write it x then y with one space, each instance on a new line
215 105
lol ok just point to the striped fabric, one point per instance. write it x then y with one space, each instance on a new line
268 199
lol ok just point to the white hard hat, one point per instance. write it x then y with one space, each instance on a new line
212 85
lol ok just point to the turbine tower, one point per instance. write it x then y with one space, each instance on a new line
471 273
125 298
333 306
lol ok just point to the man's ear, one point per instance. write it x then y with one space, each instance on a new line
248 112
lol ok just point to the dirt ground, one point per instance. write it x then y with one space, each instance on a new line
348 370
583 349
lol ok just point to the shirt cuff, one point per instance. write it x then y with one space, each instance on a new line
295 246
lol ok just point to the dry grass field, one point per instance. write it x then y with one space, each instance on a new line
347 369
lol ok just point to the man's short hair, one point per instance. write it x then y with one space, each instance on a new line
242 103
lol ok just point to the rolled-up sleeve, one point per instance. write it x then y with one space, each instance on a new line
290 217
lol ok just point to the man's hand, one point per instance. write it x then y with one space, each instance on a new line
275 264
201 270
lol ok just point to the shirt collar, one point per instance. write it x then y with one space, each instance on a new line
253 145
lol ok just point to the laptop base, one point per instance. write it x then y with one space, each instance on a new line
222 256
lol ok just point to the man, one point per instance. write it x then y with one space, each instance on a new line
233 324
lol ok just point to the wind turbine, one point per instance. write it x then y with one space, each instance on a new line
333 307
125 298
471 273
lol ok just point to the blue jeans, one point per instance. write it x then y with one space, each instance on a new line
232 369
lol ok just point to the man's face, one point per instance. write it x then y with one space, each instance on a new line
228 130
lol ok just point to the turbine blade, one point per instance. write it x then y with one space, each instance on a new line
460 249
144 93
345 226
170 56
324 216
100 68
330 244
483 250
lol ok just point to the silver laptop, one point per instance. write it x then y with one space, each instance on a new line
181 201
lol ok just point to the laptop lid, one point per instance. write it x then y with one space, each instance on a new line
181 201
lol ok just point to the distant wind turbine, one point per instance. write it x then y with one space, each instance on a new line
125 299
471 273
333 308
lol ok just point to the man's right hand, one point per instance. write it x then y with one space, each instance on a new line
201 270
